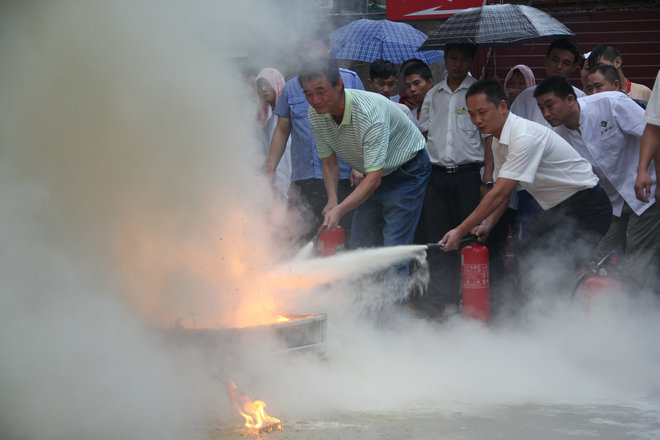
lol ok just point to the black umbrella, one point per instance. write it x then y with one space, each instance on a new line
502 25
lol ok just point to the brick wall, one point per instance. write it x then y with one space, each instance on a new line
562 6
636 33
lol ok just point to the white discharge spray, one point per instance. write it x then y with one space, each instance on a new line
305 274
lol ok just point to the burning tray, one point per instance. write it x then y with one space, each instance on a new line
296 333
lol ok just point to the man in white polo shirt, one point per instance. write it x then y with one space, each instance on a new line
606 129
371 134
576 210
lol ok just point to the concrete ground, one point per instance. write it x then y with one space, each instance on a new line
511 423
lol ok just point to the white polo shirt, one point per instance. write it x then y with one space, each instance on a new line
652 115
452 138
610 131
544 163
525 105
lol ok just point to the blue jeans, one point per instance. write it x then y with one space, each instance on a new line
390 215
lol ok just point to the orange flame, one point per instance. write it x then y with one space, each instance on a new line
253 411
197 282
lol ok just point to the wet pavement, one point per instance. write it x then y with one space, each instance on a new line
502 422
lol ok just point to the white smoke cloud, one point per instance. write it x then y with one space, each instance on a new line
557 352
131 198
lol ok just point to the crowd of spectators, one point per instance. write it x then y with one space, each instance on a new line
537 167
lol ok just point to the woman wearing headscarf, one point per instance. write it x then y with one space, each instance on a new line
270 83
518 79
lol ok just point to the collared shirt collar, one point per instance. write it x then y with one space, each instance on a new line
348 106
505 136
465 84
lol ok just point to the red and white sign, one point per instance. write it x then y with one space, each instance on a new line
402 10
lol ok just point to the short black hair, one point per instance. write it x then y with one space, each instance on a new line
418 68
493 90
609 72
320 67
409 62
607 51
565 44
381 69
555 84
467 48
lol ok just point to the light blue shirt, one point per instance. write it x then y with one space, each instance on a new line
305 161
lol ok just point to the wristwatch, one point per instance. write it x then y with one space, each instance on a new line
489 184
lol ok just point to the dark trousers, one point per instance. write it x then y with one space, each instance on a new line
449 199
562 240
500 266
308 197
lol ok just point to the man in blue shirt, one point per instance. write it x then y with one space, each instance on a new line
307 192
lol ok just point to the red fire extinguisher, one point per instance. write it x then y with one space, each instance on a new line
475 282
331 241
601 281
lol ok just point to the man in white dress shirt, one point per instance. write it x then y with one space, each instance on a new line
576 210
561 60
456 149
606 129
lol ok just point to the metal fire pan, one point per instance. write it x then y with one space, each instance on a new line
300 333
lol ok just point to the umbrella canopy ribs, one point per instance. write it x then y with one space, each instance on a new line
503 25
368 40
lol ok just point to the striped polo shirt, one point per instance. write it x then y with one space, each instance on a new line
374 133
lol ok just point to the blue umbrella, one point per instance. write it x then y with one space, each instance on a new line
368 40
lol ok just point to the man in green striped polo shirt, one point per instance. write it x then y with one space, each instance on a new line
372 135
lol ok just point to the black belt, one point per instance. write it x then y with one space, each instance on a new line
458 168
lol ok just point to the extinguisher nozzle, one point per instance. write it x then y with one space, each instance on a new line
464 241
320 231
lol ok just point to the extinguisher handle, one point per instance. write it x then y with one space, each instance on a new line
465 240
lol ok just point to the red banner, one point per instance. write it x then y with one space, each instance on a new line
403 10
